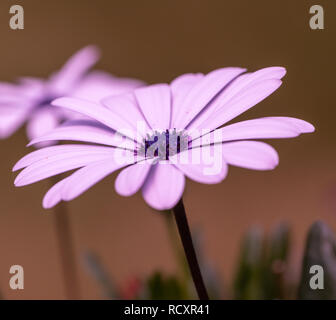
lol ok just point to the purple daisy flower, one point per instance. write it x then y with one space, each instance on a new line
28 101
179 119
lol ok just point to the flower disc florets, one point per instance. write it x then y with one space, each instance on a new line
163 144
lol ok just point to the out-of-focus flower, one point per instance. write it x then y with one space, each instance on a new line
179 120
28 101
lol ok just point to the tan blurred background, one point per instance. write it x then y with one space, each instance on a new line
156 41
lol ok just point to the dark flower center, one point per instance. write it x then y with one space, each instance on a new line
46 101
163 144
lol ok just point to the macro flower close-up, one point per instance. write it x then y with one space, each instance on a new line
174 122
29 99
172 151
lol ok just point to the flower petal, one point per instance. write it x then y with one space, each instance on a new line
249 98
131 179
84 133
86 177
53 196
155 103
163 187
251 155
300 125
11 119
9 88
234 90
73 70
262 128
202 93
98 85
96 112
48 152
60 163
41 122
12 100
125 106
206 167
180 87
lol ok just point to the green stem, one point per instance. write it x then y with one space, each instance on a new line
66 249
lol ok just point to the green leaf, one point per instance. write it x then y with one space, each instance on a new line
262 265
320 250
247 284
274 286
160 287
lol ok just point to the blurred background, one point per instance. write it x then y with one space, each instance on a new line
156 41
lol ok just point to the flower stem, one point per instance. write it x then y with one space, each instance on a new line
66 249
185 235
